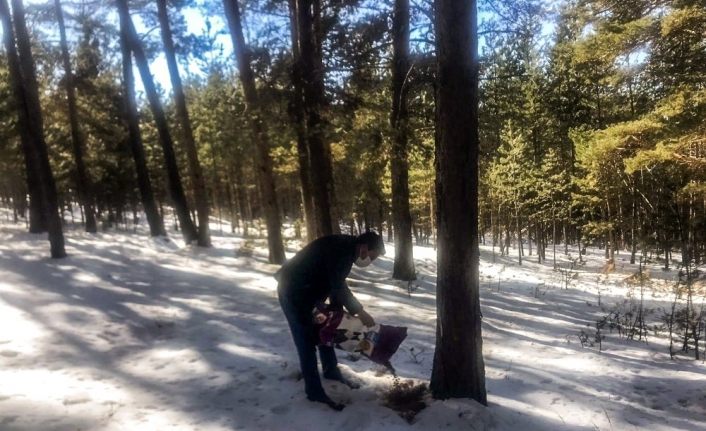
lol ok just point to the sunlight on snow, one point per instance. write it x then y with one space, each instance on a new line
51 390
17 333
246 352
86 277
150 311
160 363
387 304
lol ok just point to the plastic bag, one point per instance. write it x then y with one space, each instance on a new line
341 330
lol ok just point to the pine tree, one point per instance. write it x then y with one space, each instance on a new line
154 219
176 190
200 192
402 220
264 161
459 369
83 182
26 92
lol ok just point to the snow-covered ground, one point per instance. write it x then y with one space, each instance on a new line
131 333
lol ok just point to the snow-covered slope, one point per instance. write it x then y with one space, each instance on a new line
131 333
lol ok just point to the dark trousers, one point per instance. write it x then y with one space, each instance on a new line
306 339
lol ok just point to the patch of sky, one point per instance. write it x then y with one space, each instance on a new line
210 22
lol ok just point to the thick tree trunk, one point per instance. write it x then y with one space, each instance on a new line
458 369
155 218
195 171
37 221
403 268
83 182
297 115
265 174
310 67
176 191
26 92
432 214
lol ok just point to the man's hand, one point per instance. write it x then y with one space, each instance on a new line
366 318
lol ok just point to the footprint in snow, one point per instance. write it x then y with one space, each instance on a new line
281 409
70 401
7 420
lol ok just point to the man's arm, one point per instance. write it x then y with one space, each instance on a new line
341 295
337 268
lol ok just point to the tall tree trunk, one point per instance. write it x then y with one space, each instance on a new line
633 222
611 234
403 268
538 241
176 191
297 115
566 239
493 231
519 234
458 369
319 77
553 236
265 174
311 70
578 241
37 219
83 182
432 214
154 216
26 92
241 197
195 171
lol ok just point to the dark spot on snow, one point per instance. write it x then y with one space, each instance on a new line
281 409
6 420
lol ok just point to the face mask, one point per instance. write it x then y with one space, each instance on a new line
363 262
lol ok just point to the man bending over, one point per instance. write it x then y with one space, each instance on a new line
314 274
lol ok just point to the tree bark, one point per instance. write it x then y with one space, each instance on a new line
182 112
297 114
144 184
176 191
83 182
311 69
403 268
264 161
458 369
519 234
553 236
37 220
26 92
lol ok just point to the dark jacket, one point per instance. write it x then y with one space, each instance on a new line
318 272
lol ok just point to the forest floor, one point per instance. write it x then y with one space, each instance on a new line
133 333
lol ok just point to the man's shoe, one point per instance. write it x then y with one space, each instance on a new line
338 377
328 401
